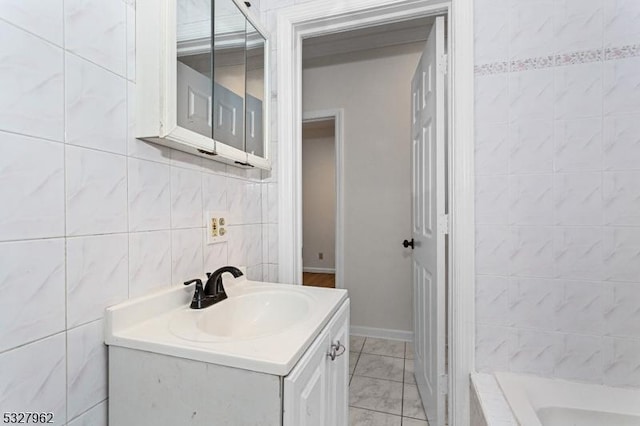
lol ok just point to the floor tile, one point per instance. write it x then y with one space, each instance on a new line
360 417
408 351
412 405
409 372
375 394
353 359
380 367
393 348
407 421
356 343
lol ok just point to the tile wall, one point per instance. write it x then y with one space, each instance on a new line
90 216
558 188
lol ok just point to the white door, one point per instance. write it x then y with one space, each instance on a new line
429 224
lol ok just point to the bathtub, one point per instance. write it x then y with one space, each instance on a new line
537 401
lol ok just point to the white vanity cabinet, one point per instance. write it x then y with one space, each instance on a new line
315 393
153 381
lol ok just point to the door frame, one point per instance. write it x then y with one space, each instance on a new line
337 115
320 18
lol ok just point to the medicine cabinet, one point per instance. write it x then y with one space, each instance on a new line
202 83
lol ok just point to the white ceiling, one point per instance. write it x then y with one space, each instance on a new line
367 38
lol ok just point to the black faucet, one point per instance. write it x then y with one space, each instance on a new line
213 291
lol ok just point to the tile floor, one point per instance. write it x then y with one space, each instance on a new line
382 389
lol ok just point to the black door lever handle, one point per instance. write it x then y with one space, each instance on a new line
407 243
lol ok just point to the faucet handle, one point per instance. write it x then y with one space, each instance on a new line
198 295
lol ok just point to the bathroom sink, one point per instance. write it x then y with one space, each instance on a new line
247 316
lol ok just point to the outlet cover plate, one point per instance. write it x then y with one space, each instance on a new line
217 226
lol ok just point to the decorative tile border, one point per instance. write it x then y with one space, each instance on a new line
572 58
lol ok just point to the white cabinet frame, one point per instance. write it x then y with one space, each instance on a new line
156 87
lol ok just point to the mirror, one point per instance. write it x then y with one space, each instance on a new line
255 54
194 66
221 76
229 72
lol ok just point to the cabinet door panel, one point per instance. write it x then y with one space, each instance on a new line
305 389
194 100
338 369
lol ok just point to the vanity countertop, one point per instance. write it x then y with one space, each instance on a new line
148 324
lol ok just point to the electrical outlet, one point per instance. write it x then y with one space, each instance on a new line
320 256
216 226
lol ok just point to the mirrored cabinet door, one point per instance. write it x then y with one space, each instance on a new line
194 66
229 70
255 93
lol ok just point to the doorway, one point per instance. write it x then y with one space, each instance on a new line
300 22
319 196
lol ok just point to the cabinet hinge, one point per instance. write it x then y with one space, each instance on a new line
444 64
444 224
444 384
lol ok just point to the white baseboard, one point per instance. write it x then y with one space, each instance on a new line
382 333
319 270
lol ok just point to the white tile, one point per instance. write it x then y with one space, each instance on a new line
531 27
393 348
409 371
582 308
578 253
131 42
494 248
411 403
621 22
272 241
578 91
581 359
578 25
237 200
96 416
492 200
621 198
492 348
407 421
272 208
97 276
577 198
96 106
149 195
409 350
236 245
578 145
492 149
375 394
353 360
531 199
86 367
621 310
96 30
186 257
253 244
214 193
535 352
622 142
32 278
356 343
273 276
531 147
42 389
31 83
622 254
253 203
32 176
492 99
149 262
621 362
531 95
361 417
96 192
215 255
491 31
533 254
492 300
186 198
380 367
533 303
621 86
41 18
